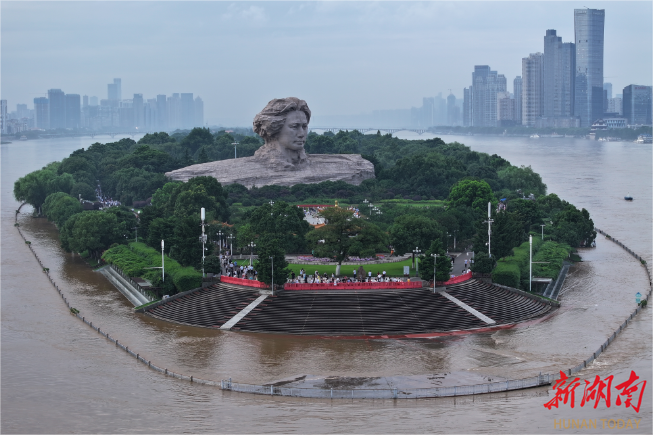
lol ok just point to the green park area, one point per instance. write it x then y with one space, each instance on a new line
392 269
425 194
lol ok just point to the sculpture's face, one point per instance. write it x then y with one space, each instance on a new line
293 134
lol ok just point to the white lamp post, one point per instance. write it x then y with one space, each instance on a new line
272 260
219 234
435 260
231 244
203 236
235 144
163 265
252 245
489 229
415 262
543 225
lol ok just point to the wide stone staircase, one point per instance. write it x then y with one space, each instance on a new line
352 312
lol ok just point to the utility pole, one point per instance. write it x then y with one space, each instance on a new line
530 273
163 264
235 144
489 229
415 262
272 260
203 237
435 260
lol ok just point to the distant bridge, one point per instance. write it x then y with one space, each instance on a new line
365 130
95 133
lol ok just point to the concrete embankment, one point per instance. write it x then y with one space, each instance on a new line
124 287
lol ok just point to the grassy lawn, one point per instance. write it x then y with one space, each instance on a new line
392 269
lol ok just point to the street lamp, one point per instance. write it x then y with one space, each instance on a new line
489 228
235 144
219 234
163 273
251 245
454 240
203 236
435 260
416 263
231 244
272 260
543 225
271 205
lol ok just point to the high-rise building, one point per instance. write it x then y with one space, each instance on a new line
57 100
451 110
73 111
161 113
42 113
615 105
485 85
187 110
467 106
637 104
532 84
92 101
138 106
199 112
589 32
115 90
608 88
505 110
174 112
3 116
517 92
22 111
558 76
84 101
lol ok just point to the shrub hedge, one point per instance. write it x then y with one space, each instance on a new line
134 259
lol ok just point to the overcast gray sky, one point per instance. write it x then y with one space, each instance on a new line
342 57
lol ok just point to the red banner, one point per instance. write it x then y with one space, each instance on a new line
243 282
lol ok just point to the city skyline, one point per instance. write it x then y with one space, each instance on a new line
393 61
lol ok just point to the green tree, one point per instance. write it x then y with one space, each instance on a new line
411 231
283 222
335 239
84 190
507 233
442 266
482 263
196 139
91 231
267 247
573 227
60 206
471 193
522 178
34 187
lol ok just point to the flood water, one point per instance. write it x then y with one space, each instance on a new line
60 376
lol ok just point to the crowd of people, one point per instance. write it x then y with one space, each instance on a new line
316 278
105 201
232 269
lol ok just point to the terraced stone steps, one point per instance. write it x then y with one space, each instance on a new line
352 312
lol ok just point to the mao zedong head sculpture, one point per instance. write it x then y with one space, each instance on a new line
283 125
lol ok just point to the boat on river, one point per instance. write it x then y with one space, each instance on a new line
628 197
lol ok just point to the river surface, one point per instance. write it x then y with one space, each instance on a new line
59 376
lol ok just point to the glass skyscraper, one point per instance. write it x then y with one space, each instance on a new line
588 30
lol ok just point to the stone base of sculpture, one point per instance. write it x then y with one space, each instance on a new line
256 171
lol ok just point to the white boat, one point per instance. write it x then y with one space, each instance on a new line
535 136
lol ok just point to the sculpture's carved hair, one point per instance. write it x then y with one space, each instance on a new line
269 121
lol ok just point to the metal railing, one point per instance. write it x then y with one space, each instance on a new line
133 283
388 393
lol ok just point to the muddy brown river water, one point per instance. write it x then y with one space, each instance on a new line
60 376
